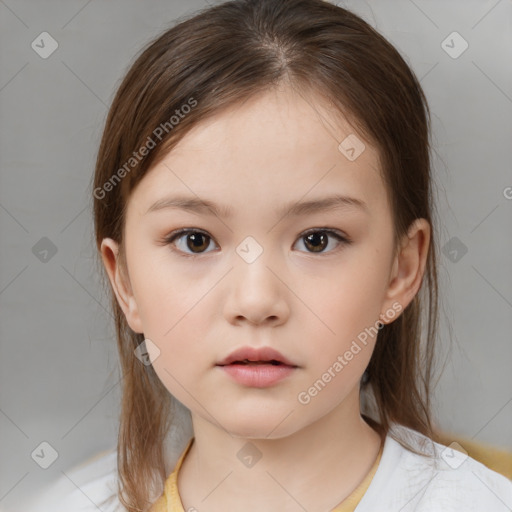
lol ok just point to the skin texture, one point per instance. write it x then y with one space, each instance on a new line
273 149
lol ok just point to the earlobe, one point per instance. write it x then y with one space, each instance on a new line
409 265
120 283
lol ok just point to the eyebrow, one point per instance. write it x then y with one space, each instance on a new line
206 207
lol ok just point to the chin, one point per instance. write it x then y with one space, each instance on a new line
257 425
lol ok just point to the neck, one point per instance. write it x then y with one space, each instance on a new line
314 468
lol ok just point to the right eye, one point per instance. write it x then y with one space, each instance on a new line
194 240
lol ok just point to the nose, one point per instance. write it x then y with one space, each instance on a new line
257 293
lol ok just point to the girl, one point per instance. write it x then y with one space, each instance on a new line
263 210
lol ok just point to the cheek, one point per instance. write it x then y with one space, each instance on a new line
350 300
347 309
169 302
174 317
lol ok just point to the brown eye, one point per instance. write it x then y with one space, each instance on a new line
189 241
192 242
197 242
316 241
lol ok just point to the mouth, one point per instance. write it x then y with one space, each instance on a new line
273 362
257 367
250 356
257 374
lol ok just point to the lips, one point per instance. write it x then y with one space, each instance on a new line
257 368
252 356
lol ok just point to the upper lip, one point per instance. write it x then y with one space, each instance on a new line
255 354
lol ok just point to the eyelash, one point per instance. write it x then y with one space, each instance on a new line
171 237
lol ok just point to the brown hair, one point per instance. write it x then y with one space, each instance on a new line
218 58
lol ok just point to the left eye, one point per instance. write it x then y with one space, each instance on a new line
318 240
315 241
194 240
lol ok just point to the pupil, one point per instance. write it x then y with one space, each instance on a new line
315 238
196 241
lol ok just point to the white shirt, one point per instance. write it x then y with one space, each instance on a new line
446 481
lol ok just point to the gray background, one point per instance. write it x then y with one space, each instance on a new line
58 370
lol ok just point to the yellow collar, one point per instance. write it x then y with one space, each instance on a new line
170 500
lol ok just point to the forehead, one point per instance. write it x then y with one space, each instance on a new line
273 148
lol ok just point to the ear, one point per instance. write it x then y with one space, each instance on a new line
408 267
120 282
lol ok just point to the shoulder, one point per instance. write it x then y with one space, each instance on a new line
89 486
440 480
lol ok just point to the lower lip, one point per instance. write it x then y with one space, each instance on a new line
258 375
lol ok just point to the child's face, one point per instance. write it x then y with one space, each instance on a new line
312 307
